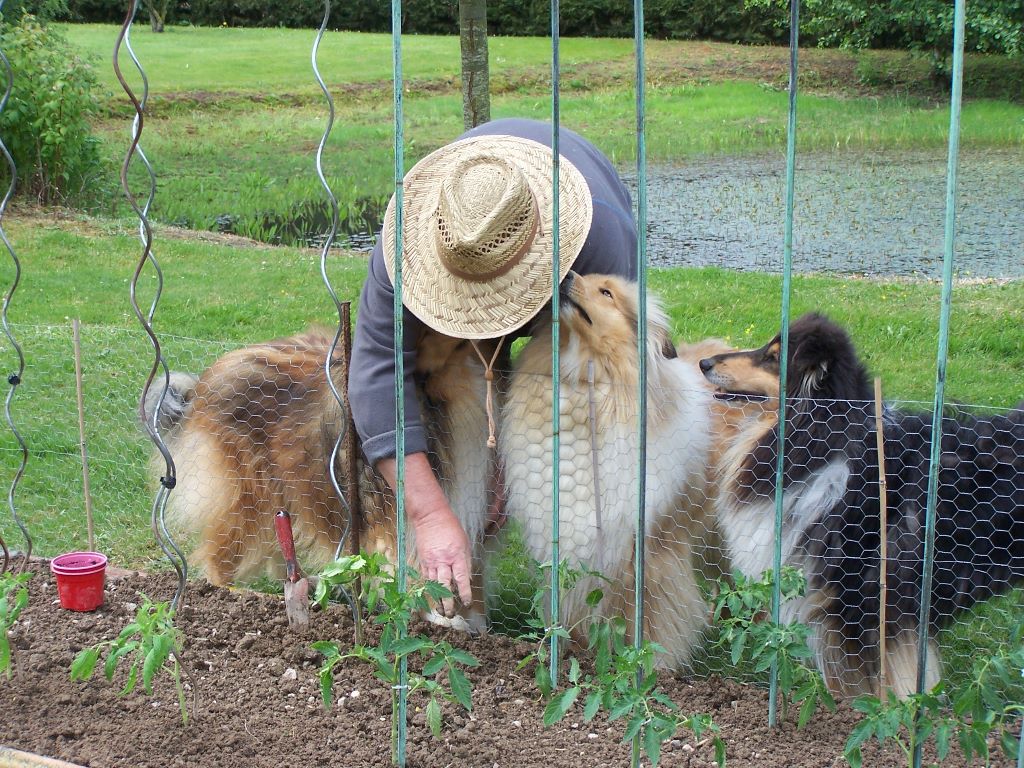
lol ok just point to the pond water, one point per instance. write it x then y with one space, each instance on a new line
879 214
854 214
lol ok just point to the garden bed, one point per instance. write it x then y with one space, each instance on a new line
259 701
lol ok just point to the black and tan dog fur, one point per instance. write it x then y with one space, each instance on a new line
831 526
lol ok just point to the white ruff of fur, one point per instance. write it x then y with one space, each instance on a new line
750 540
465 467
677 449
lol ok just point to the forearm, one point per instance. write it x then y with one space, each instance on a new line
425 500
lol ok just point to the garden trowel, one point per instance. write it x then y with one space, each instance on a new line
296 586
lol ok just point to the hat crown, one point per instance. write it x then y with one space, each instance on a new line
486 217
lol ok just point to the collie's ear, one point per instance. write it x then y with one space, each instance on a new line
668 349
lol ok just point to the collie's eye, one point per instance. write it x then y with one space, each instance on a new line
606 292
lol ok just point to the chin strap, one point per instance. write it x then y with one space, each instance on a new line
489 378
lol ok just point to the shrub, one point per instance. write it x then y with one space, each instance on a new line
46 122
13 10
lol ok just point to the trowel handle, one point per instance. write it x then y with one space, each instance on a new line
283 526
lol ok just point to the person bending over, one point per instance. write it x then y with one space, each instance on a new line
477 250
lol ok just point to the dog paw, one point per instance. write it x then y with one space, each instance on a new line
471 626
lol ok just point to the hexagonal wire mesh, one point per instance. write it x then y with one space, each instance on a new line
709 501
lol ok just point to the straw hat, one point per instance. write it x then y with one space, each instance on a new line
477 235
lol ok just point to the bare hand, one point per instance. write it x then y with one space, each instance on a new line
444 556
442 547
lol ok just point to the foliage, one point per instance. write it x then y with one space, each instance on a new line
624 682
46 122
907 722
538 629
990 703
148 645
992 26
45 10
13 599
743 611
380 591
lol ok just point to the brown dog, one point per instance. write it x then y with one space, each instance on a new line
255 432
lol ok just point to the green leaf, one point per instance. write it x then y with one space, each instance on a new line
807 711
84 664
652 745
633 727
326 648
619 708
460 687
114 656
574 670
133 679
942 733
155 659
853 756
1009 742
327 686
593 705
559 705
543 680
460 656
434 665
719 751
409 645
434 718
737 647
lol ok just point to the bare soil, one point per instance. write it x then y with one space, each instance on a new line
259 702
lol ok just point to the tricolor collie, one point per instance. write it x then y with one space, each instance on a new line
255 432
598 473
832 511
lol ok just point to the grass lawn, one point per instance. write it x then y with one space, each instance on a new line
236 115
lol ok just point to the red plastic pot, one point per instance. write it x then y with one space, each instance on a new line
80 578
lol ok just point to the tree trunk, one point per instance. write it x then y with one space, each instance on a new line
157 14
476 93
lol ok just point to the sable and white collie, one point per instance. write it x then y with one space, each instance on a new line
832 511
598 473
255 432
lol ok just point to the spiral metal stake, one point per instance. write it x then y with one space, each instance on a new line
13 379
158 522
167 482
332 470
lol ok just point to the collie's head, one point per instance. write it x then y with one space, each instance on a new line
822 363
599 315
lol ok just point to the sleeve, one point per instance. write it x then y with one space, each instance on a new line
371 388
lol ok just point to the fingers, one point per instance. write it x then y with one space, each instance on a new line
444 576
460 573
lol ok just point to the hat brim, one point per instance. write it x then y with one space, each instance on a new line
475 309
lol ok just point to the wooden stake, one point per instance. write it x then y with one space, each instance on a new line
352 470
883 530
75 324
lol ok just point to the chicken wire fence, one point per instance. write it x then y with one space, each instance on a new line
709 497
691 490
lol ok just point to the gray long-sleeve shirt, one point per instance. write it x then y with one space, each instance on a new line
610 248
